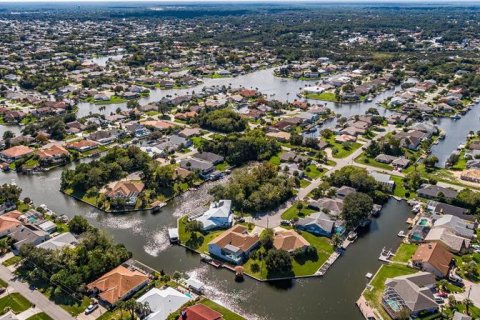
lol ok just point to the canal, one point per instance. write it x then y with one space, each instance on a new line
145 234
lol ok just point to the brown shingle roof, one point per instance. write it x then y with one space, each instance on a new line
434 253
289 240
236 236
114 285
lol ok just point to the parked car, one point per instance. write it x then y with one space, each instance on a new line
91 308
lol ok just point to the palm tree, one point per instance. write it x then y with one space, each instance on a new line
131 306
468 303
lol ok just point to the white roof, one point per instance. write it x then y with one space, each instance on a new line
163 302
59 242
218 210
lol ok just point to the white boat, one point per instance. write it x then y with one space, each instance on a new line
401 234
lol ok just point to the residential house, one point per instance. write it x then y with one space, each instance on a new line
434 258
63 240
289 240
412 292
163 302
200 312
118 284
434 192
129 190
218 216
234 245
318 223
456 225
189 132
344 191
104 137
332 207
9 223
15 153
193 164
82 145
383 179
209 157
453 242
54 153
439 209
28 233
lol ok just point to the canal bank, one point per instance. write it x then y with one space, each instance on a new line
145 234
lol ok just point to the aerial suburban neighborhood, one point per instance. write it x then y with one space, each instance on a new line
237 160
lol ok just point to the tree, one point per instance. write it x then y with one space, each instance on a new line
336 240
78 225
266 239
131 306
356 207
193 226
430 162
468 303
278 261
8 135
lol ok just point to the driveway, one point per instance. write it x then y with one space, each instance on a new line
35 297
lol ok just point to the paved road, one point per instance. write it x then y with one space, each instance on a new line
35 297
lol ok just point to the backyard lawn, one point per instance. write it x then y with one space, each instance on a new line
312 172
405 252
374 296
324 96
201 242
16 302
227 314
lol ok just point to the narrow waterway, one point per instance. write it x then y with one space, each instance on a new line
330 297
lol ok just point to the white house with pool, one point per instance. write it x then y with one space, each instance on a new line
218 216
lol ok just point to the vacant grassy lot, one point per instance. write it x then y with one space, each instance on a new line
405 252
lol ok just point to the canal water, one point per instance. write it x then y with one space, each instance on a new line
145 234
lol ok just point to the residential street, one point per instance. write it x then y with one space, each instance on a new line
35 297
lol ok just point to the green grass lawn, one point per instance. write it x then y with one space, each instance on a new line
304 183
116 314
16 302
300 268
227 314
339 150
400 190
405 252
3 284
201 244
11 261
222 166
324 96
198 141
463 261
312 172
293 212
363 159
374 296
40 316
275 160
461 163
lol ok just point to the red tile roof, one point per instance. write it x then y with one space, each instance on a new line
200 312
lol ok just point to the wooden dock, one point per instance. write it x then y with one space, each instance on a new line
324 268
365 309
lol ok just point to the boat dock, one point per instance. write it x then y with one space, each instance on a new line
385 255
324 268
365 309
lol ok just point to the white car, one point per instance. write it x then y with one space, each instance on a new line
91 308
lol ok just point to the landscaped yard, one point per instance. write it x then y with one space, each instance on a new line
363 159
312 172
227 314
462 263
300 268
342 150
275 160
324 96
201 242
374 296
16 302
293 212
40 316
3 284
405 252
116 314
11 261
400 190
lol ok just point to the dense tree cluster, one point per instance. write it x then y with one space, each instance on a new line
116 164
356 207
256 189
239 149
9 194
70 269
223 120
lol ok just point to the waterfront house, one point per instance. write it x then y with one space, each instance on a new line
289 240
105 137
439 209
234 245
15 153
434 258
454 243
383 179
193 164
209 157
200 312
163 302
434 192
54 153
218 216
456 225
411 292
344 191
63 240
129 190
82 145
317 223
118 284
